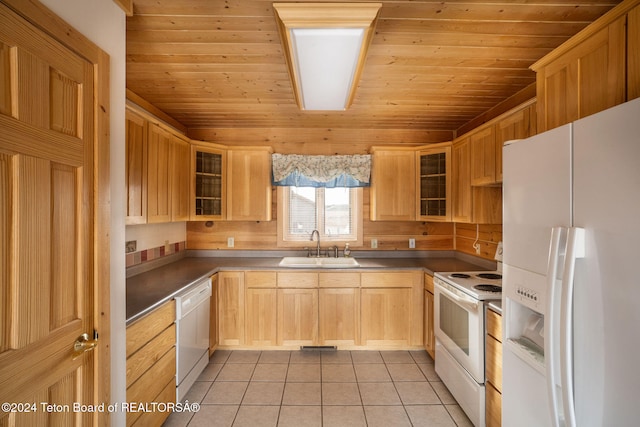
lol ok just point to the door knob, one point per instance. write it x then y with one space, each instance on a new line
82 344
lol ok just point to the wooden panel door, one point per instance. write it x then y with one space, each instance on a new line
231 308
483 156
249 185
136 168
393 185
158 174
633 53
180 174
339 316
297 317
48 198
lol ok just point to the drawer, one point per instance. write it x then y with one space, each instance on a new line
392 279
494 325
152 383
144 330
140 361
297 279
339 280
493 407
428 283
494 362
260 279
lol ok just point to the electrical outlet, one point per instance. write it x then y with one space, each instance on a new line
374 243
230 242
131 246
477 248
412 243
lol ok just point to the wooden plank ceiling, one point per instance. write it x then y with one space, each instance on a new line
432 65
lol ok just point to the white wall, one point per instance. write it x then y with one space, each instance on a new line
104 23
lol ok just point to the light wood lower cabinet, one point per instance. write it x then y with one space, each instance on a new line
429 321
339 316
494 369
297 317
266 309
231 308
151 363
213 315
392 309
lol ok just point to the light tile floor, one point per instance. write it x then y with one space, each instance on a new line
320 388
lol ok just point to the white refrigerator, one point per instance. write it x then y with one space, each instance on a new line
571 274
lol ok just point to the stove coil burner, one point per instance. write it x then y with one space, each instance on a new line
460 276
488 288
491 276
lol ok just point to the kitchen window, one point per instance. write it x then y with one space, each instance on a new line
335 212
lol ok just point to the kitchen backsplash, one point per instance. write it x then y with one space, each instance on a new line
140 257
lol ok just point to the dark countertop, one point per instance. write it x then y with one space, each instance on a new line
150 289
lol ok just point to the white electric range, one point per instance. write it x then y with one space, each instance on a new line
460 299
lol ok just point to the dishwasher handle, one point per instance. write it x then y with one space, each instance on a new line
189 300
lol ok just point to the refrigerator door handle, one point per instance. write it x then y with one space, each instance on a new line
552 321
575 250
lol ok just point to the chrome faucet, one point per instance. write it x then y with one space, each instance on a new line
317 233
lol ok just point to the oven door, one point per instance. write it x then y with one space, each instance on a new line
459 326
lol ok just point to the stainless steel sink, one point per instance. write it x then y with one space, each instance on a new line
306 262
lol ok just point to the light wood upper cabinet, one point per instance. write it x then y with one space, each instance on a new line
136 168
585 78
249 184
180 173
393 184
158 174
461 181
483 156
434 183
516 125
208 189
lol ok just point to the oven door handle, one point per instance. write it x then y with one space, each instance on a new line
468 303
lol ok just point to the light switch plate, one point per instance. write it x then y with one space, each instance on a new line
374 243
230 242
412 243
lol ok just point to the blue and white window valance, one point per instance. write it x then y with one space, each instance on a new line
321 171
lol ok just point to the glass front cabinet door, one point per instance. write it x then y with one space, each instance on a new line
434 183
209 189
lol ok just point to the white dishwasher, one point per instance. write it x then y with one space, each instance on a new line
192 326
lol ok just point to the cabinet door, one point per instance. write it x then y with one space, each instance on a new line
386 316
249 185
517 125
483 156
213 316
339 317
586 79
434 184
461 181
260 317
208 190
136 168
297 317
181 152
158 173
393 183
429 335
493 407
231 308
